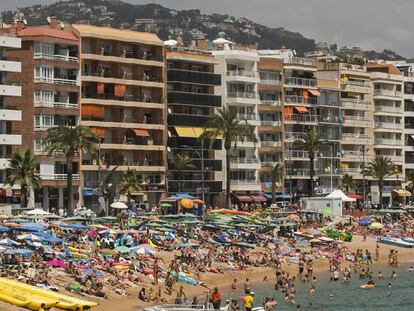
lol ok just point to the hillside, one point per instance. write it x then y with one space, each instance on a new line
189 24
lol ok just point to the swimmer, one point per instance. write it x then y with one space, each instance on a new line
312 289
393 275
379 275
389 286
411 269
331 296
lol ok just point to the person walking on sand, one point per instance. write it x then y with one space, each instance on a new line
248 301
216 299
377 252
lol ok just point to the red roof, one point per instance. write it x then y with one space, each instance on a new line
48 32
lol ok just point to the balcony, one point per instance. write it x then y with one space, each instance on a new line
10 139
297 154
247 116
249 95
9 66
10 115
390 109
195 186
300 100
300 82
242 73
270 81
387 93
388 141
352 170
175 119
302 172
270 143
194 99
300 61
292 136
389 125
126 54
357 121
245 182
356 86
45 104
191 76
56 81
355 103
270 102
10 90
58 176
56 57
244 160
270 123
355 138
298 118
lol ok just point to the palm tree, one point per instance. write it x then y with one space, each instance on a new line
347 183
130 182
70 141
276 174
312 143
181 162
225 125
24 171
380 168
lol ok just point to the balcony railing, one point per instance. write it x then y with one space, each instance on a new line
384 92
58 176
379 108
351 136
356 101
270 143
187 119
55 105
56 57
195 186
55 81
245 160
250 95
270 123
245 182
300 61
356 118
270 81
388 141
243 73
298 172
389 125
191 76
294 135
301 118
247 116
355 83
294 99
270 102
354 170
196 99
300 81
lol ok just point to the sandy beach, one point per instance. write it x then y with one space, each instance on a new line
223 281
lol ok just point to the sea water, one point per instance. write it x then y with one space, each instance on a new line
346 297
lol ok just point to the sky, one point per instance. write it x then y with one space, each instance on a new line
370 24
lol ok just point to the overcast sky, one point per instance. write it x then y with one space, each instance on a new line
371 24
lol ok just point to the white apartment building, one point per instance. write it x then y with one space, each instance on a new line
239 88
8 113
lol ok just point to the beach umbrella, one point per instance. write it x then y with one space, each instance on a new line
375 225
3 228
121 249
119 205
365 221
8 242
145 251
198 201
293 216
185 196
165 204
108 231
29 237
57 263
187 203
38 212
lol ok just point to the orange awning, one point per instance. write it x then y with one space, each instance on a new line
315 92
91 110
301 109
141 132
98 132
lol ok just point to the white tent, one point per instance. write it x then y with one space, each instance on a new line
339 194
37 211
222 41
119 205
171 42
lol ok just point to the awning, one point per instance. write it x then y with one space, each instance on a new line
301 109
92 110
314 92
243 198
141 132
258 198
98 132
354 196
198 131
402 192
186 132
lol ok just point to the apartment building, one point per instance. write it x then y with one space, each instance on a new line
10 114
123 101
191 104
356 118
271 129
388 106
238 67
49 76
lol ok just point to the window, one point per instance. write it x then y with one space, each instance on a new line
44 48
44 73
44 96
45 120
39 144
